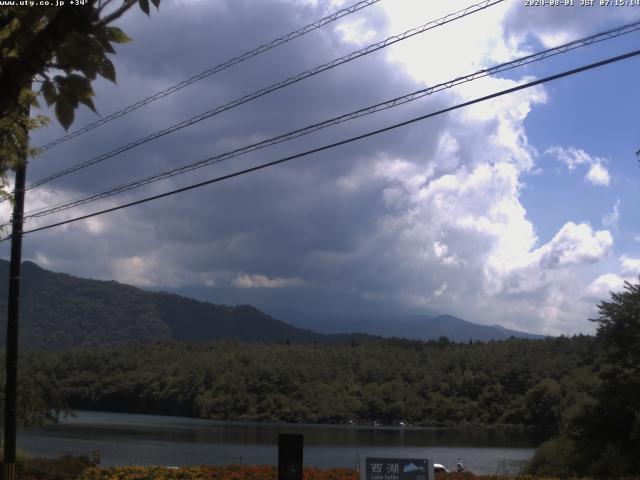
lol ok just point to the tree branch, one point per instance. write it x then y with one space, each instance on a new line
115 14
102 4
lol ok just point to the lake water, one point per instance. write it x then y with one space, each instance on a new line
126 439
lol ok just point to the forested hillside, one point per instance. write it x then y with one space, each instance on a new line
60 311
514 382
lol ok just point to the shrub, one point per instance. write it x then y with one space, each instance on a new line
62 468
231 472
554 458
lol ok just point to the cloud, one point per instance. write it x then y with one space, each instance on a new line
597 175
428 216
145 271
630 265
573 157
357 32
600 288
553 26
575 245
261 281
612 218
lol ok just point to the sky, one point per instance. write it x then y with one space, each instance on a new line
521 211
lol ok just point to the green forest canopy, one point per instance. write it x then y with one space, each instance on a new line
516 382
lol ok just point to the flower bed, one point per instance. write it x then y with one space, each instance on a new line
232 472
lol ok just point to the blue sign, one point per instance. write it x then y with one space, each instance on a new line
376 468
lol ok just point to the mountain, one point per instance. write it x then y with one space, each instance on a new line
459 330
385 320
303 301
60 311
417 327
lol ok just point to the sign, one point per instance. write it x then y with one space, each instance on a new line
397 468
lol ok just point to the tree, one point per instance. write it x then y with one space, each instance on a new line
612 425
55 52
39 395
603 438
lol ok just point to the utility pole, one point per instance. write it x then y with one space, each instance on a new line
13 315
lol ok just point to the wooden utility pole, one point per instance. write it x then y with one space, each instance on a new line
13 315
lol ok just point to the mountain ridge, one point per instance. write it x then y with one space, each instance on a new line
415 327
60 311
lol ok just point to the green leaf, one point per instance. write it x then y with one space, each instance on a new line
156 3
5 32
107 70
49 92
105 44
78 85
64 111
114 34
144 6
93 45
89 103
89 68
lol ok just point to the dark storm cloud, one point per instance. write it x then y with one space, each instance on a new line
145 66
268 222
330 228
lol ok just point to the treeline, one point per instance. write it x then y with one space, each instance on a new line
532 383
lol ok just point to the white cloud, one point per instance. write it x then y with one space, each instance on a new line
575 245
598 175
262 281
42 260
459 57
612 218
600 288
440 290
630 265
145 271
573 157
357 32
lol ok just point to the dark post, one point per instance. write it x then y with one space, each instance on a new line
13 314
290 456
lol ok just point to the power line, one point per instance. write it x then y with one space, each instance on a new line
276 86
598 37
212 71
342 142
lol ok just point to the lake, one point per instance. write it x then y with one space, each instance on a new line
127 439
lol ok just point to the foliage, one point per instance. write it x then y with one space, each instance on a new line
39 400
61 468
554 458
609 430
601 436
293 376
260 472
423 383
55 52
231 472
